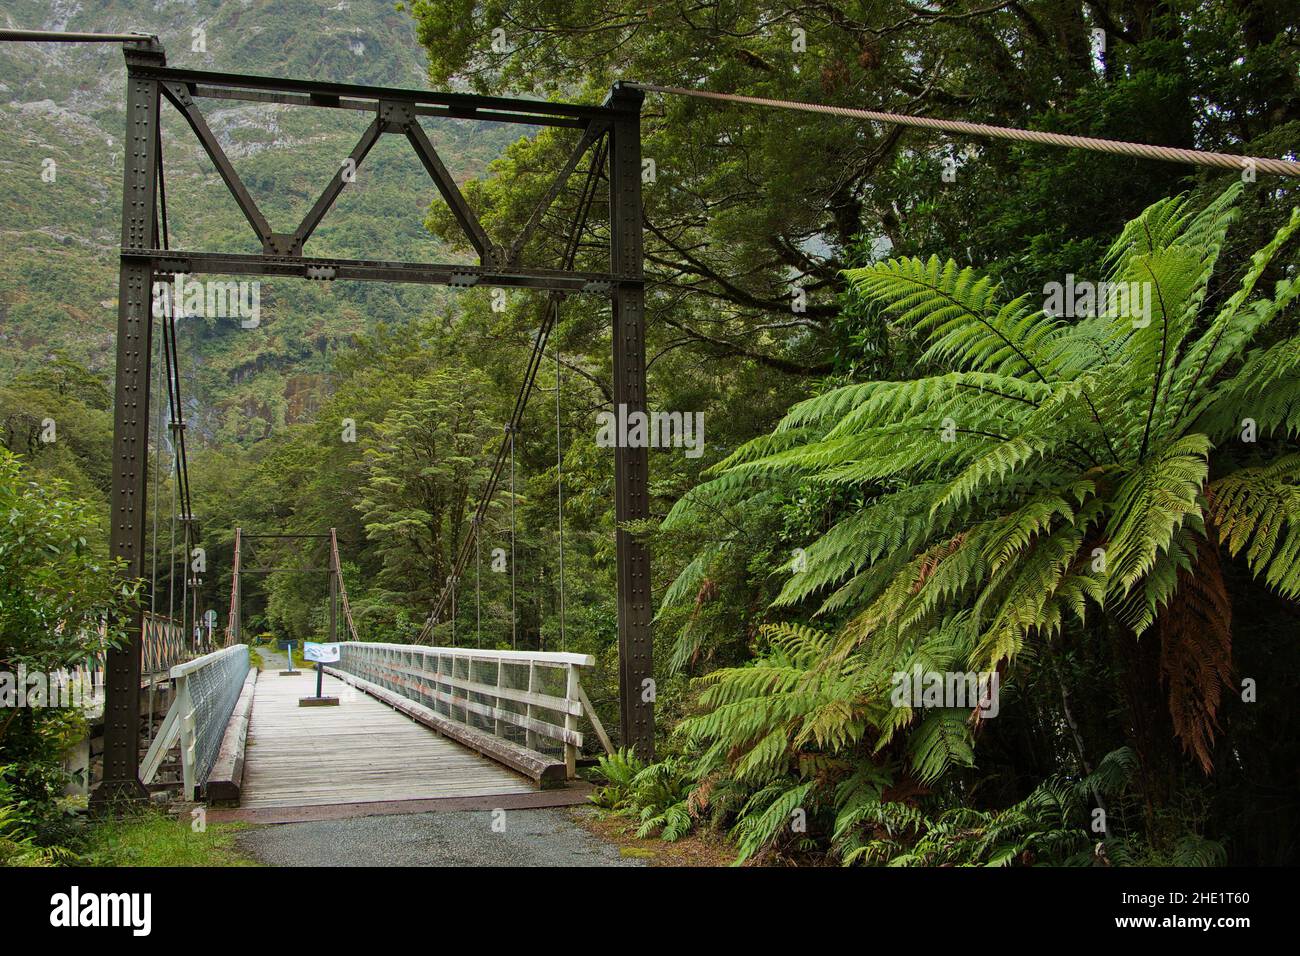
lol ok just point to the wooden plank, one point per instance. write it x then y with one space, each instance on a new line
362 751
167 735
576 793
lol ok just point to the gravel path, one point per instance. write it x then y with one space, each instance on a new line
529 838
273 659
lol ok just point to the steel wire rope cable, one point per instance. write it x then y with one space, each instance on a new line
173 369
153 548
559 486
180 460
514 611
171 421
573 239
343 588
65 36
1172 154
478 583
183 472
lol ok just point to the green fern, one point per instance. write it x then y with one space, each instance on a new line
1056 470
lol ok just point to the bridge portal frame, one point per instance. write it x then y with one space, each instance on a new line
149 81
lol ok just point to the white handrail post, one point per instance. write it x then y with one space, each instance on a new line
185 708
496 698
530 738
570 720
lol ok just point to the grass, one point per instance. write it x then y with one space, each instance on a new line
152 838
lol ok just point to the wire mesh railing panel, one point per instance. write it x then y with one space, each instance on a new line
207 692
514 676
528 699
484 673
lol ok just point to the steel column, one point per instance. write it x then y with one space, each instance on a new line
334 604
131 421
631 465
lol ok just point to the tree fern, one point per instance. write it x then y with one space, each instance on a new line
1054 471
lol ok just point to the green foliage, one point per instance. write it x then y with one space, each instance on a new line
657 795
618 770
748 201
25 840
57 591
426 461
1069 437
151 838
1046 441
1051 826
1058 474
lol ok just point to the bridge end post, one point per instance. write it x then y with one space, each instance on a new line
631 465
121 780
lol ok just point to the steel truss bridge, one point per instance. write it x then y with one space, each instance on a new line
415 722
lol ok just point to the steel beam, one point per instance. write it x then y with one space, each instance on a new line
179 96
141 260
205 91
631 465
121 781
590 135
451 193
168 262
369 137
464 105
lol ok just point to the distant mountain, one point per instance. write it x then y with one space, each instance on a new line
64 103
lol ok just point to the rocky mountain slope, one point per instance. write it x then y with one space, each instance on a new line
61 110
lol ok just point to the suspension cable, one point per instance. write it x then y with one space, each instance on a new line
1171 154
337 561
179 459
478 576
157 481
573 239
559 488
514 613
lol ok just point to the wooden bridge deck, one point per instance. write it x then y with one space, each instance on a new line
358 752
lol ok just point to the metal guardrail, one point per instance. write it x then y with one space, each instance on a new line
531 699
206 691
163 645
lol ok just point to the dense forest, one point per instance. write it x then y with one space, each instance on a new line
912 463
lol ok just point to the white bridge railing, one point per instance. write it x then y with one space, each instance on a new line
527 702
206 691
